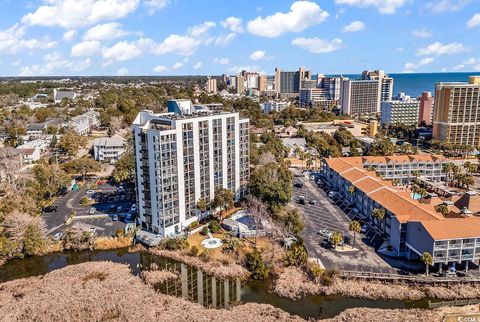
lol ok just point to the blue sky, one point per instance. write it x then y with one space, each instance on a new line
210 37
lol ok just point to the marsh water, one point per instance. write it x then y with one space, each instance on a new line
198 286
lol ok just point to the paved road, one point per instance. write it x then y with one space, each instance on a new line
325 215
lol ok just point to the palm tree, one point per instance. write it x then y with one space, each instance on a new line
427 259
336 238
447 169
467 166
442 208
356 228
379 214
416 173
351 190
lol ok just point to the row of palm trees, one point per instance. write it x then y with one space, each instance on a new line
454 174
305 156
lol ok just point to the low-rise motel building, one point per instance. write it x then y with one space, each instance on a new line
410 226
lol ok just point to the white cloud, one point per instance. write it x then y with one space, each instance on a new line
474 21
201 29
318 45
181 45
399 49
232 23
86 48
123 50
160 69
221 61
258 55
55 67
437 49
155 5
410 67
12 41
122 72
354 26
383 6
421 33
71 14
302 15
105 31
177 65
69 35
471 61
198 65
441 6
225 39
17 63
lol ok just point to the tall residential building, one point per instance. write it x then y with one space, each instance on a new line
425 113
240 84
360 97
386 82
183 158
262 83
211 85
456 115
400 112
290 82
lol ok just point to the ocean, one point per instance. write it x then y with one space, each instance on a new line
414 84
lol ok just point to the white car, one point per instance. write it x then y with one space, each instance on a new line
90 192
325 233
58 236
133 207
120 189
332 194
364 228
92 211
92 231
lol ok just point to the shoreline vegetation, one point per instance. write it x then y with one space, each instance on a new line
109 291
293 283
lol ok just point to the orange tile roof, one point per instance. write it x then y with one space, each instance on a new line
453 228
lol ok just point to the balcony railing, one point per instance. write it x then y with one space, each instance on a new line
454 246
442 246
468 245
453 257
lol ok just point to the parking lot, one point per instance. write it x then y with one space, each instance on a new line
331 214
111 210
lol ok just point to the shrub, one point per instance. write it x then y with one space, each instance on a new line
214 226
84 200
175 244
296 255
119 233
194 251
328 277
205 255
205 230
256 265
193 225
315 271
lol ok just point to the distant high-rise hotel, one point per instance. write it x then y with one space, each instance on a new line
362 97
456 115
182 157
425 113
211 85
290 83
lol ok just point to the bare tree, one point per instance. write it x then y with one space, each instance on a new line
258 211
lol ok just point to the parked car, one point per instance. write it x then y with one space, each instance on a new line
58 236
346 240
115 217
92 211
364 228
133 207
120 189
92 231
325 233
332 194
90 192
301 200
50 209
119 209
298 185
312 202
